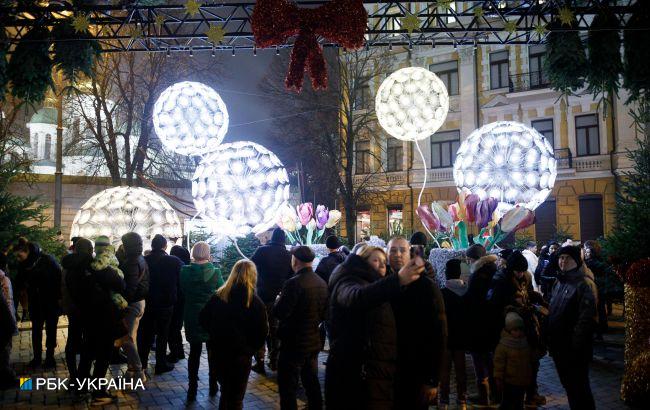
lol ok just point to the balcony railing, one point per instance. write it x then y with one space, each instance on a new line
528 81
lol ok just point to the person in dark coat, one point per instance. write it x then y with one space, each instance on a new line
136 277
361 365
421 328
547 269
273 263
456 313
300 309
164 275
74 266
42 276
235 319
608 284
175 340
571 323
8 327
335 257
482 269
91 290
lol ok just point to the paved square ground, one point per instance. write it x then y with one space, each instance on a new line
169 390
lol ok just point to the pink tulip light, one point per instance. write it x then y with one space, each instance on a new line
429 220
305 212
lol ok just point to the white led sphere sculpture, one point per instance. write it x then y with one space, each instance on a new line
190 118
412 103
116 211
239 188
508 161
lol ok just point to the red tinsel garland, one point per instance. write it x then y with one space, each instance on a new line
340 21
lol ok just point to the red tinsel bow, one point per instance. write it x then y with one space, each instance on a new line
340 21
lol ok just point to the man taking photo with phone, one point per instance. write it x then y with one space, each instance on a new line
421 327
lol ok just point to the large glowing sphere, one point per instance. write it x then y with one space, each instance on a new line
412 103
239 188
190 118
508 161
116 211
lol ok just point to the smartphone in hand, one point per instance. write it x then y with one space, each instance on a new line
417 251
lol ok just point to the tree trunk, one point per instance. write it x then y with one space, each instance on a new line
350 221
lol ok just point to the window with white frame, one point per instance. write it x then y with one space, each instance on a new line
499 69
444 145
448 73
587 135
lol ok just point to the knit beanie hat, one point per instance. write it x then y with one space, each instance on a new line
278 236
573 252
132 243
514 321
332 242
516 262
475 251
83 246
452 269
504 253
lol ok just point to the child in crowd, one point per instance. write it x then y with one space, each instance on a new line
512 363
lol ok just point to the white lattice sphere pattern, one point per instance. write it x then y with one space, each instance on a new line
239 188
116 211
190 118
412 103
508 161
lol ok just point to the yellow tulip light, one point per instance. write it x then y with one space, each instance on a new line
507 161
240 188
190 118
411 104
116 211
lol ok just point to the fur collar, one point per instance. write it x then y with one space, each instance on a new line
482 262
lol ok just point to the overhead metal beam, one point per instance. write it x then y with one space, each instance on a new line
168 28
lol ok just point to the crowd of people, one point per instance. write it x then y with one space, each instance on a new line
393 332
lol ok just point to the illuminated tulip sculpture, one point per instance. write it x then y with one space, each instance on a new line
190 118
240 188
116 211
412 103
508 161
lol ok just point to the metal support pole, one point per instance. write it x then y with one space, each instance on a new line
58 174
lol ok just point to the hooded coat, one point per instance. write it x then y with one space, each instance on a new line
456 313
512 363
134 267
480 314
74 267
363 338
233 328
42 275
273 263
572 313
198 283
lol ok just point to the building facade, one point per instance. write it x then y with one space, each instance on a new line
499 83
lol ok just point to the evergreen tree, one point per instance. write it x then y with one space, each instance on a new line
630 240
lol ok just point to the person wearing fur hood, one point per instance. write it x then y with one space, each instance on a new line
482 268
512 366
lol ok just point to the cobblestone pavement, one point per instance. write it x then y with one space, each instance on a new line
169 390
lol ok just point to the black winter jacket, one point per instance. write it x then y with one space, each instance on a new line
234 329
164 276
273 263
136 276
456 313
301 308
327 265
421 330
41 274
506 290
572 313
363 339
74 269
480 314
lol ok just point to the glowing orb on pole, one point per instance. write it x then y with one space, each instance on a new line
116 211
412 103
190 118
239 188
508 161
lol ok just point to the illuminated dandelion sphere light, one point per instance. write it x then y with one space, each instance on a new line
240 188
116 211
508 161
412 103
190 118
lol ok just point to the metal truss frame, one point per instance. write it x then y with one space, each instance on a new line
130 27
